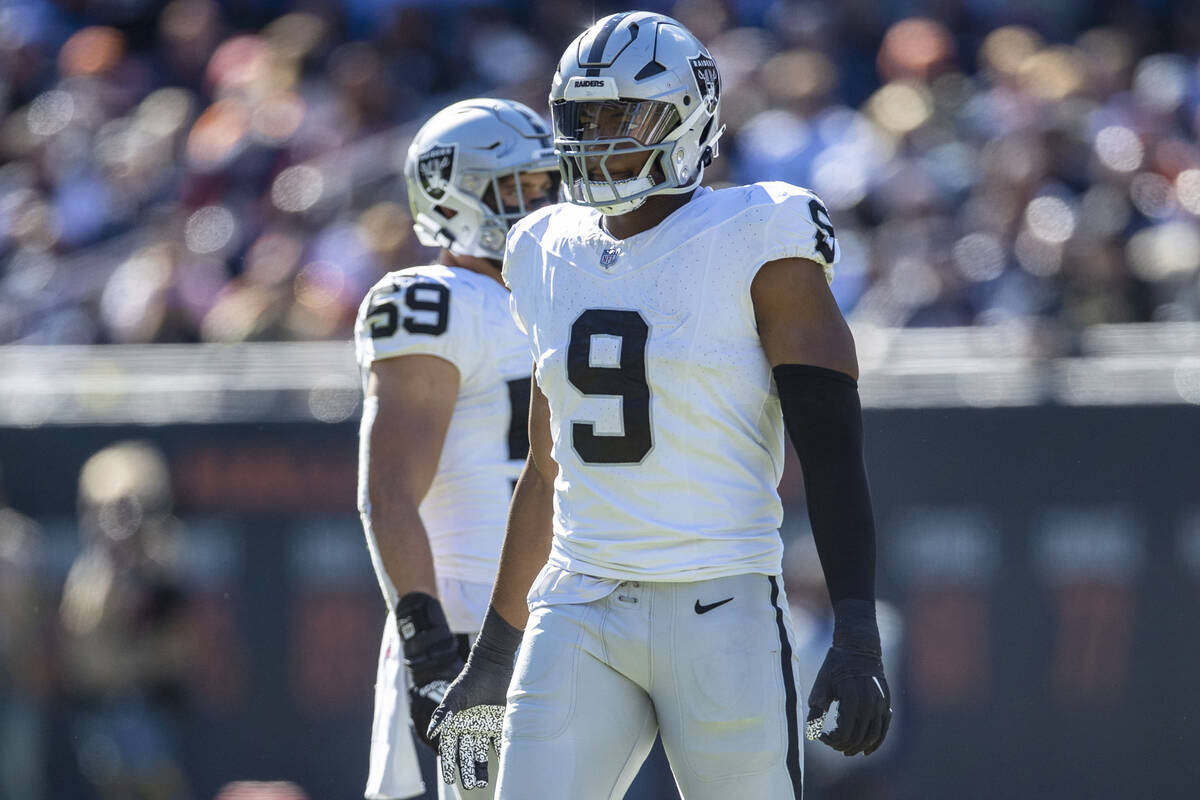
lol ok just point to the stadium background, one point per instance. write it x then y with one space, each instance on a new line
194 196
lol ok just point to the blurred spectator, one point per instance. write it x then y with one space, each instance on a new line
227 171
126 639
24 667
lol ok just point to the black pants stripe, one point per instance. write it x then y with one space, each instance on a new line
789 687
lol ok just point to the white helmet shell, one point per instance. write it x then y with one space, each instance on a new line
641 67
461 153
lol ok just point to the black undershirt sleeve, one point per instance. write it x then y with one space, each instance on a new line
823 415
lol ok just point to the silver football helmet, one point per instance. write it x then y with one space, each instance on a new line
635 82
453 171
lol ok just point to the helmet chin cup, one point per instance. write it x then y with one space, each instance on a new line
615 197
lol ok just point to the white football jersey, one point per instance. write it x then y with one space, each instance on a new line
665 420
463 317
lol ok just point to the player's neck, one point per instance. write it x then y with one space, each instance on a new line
484 266
656 208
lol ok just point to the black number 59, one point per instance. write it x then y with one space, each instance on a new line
430 307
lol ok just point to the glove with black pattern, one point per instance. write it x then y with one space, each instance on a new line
431 653
470 718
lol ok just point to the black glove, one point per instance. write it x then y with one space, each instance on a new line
471 715
431 653
853 676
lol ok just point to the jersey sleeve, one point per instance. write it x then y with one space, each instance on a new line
799 227
517 274
417 314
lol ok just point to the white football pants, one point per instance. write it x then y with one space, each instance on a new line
710 665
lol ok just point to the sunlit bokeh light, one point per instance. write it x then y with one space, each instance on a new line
1153 195
209 229
1187 190
128 305
840 176
164 112
297 188
239 63
901 107
277 117
1164 251
776 134
50 112
91 51
1053 73
915 48
1006 49
330 401
295 35
217 135
1050 219
1161 81
1119 148
979 257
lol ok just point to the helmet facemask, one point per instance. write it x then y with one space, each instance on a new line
589 133
477 191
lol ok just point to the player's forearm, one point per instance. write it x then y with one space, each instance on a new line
403 547
824 419
526 544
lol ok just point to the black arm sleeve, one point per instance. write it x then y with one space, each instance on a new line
823 415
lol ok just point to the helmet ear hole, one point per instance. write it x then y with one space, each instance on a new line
448 213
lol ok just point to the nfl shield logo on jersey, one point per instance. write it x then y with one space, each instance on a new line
609 257
434 169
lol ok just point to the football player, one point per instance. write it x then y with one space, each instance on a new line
676 332
443 437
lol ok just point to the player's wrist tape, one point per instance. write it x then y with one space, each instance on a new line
855 628
823 414
497 642
429 644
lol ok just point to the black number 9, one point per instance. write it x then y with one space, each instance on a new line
627 381
826 240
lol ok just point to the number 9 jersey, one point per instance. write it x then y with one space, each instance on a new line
462 317
665 422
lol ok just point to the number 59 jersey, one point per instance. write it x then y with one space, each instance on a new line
665 421
464 318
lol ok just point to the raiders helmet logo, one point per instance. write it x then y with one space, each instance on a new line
707 77
435 167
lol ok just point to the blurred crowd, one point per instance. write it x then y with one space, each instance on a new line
227 171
